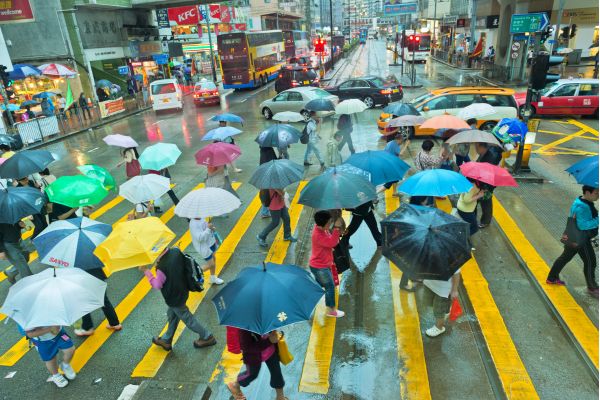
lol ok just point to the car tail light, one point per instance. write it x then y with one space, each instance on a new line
196 95
386 91
215 93
295 83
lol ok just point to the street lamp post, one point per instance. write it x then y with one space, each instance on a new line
331 32
212 51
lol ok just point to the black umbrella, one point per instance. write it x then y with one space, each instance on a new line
425 243
320 105
19 202
278 135
25 163
400 109
7 140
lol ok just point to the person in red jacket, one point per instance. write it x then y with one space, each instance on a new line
325 236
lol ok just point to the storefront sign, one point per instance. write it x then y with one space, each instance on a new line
123 70
394 7
148 48
449 20
162 17
160 59
105 53
225 15
111 107
15 11
492 21
187 15
215 12
240 27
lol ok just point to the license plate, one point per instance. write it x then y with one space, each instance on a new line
306 82
205 94
395 91
166 100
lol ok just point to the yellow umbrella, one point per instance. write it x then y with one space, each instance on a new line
134 243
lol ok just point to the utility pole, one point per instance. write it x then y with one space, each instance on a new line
331 32
212 51
473 23
561 7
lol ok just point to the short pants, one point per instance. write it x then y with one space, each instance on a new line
441 306
48 349
213 248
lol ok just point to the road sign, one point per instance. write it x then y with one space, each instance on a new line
203 13
123 70
515 46
450 20
533 22
392 7
514 55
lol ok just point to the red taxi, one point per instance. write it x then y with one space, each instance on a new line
565 97
206 93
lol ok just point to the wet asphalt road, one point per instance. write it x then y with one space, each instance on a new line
365 363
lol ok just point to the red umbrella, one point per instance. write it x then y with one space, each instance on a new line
217 154
488 173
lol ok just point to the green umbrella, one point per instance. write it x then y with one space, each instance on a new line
159 156
101 174
76 191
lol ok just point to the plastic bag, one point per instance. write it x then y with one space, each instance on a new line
455 310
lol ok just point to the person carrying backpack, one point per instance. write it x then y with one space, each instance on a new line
313 140
279 211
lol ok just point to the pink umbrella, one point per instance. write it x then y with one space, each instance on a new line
2 160
488 173
445 121
120 141
217 154
56 70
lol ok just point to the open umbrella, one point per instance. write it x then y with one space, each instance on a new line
227 117
144 188
19 202
288 116
159 156
56 70
134 243
400 109
476 110
8 140
53 297
120 141
564 50
25 163
76 191
320 105
217 154
278 135
585 171
351 169
424 242
350 106
101 174
221 133
336 190
71 242
29 103
445 121
488 173
512 126
406 120
383 166
267 297
435 182
473 136
43 95
206 202
103 83
22 71
277 174
11 107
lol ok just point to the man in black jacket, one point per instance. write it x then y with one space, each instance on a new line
493 155
364 212
11 250
175 279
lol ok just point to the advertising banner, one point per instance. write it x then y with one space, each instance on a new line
395 7
186 15
111 107
215 13
162 17
225 15
13 11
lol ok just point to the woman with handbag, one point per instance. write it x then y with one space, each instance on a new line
578 240
130 159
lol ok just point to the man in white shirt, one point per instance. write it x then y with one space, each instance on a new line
313 141
443 293
203 240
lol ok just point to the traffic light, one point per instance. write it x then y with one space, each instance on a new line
565 32
573 31
539 76
6 81
319 45
547 33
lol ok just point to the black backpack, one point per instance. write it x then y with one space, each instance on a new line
265 197
196 284
304 135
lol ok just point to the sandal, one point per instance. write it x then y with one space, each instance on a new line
237 394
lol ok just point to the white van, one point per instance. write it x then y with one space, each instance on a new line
166 94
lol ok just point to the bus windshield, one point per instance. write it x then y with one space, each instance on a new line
233 52
424 43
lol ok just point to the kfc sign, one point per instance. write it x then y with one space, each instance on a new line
215 12
187 15
225 15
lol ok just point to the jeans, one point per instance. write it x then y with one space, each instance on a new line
109 313
252 370
346 138
460 159
276 215
264 211
311 147
371 223
19 258
471 218
324 277
182 313
487 210
588 256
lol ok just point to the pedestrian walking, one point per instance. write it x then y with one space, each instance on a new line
164 172
205 244
11 250
257 349
313 141
83 105
217 177
59 212
46 178
47 107
424 160
230 140
129 157
325 236
39 220
444 292
467 206
364 212
49 340
62 104
279 211
585 214
174 278
87 324
30 114
395 147
492 155
266 154
344 126
334 157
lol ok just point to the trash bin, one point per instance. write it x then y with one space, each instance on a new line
574 57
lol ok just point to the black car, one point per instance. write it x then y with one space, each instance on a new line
372 90
292 76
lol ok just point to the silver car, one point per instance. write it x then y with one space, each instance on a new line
295 100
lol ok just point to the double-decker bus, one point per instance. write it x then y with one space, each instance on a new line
419 42
250 59
362 38
296 43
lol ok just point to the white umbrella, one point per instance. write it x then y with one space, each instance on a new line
143 188
476 110
351 106
473 136
206 202
406 120
120 141
564 50
53 297
288 116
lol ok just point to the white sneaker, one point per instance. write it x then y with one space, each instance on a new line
434 331
59 380
83 332
337 314
68 371
238 170
215 280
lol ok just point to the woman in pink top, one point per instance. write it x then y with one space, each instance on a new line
278 211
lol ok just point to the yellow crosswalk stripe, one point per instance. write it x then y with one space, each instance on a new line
582 328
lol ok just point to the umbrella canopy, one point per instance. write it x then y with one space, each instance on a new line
445 121
425 243
144 188
406 120
11 107
564 50
56 70
383 166
25 163
120 141
43 95
159 156
97 172
19 202
29 103
336 190
350 106
76 191
277 174
473 136
278 135
103 83
585 171
400 109
221 133
71 242
207 202
514 126
288 116
217 154
488 173
8 140
351 169
227 117
22 71
267 297
320 105
476 110
134 243
435 182
53 297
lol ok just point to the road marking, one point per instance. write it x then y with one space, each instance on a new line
567 134
582 328
514 378
230 364
159 121
555 143
155 356
243 100
92 150
583 127
414 380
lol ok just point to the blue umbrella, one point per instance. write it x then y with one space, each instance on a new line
71 243
351 169
11 107
277 174
337 190
19 202
267 297
383 166
320 105
400 109
585 171
25 163
435 182
227 117
22 71
29 103
278 135
221 133
43 95
515 127
103 83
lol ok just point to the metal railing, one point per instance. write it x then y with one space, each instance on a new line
460 60
503 73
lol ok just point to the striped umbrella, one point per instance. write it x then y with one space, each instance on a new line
206 202
56 70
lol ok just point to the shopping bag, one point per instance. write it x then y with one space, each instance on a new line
573 237
233 340
455 310
284 353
